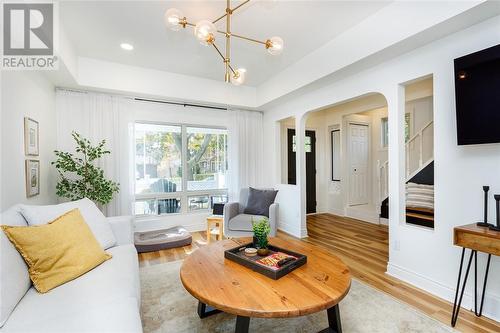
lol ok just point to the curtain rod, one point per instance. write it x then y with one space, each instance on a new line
182 104
151 100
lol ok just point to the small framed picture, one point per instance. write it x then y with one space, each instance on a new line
31 137
32 178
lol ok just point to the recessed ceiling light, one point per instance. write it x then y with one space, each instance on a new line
127 46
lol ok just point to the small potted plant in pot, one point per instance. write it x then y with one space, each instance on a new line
261 230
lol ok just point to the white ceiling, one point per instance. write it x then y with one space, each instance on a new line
98 27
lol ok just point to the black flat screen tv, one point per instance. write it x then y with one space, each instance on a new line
477 97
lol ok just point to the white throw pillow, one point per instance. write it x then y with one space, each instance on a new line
14 278
36 215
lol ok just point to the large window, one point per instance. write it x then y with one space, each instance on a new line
206 158
178 168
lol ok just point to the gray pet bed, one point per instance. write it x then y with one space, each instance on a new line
155 240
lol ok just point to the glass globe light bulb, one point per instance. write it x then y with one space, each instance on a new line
239 77
173 19
205 32
274 45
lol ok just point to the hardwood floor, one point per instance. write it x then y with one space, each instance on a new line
364 248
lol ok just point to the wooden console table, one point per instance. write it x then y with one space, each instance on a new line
477 239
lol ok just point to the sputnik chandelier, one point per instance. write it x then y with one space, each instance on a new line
205 31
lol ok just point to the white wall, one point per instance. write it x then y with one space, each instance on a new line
425 258
26 94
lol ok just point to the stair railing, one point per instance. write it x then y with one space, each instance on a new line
411 143
383 180
383 167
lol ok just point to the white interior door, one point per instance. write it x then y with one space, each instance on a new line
358 145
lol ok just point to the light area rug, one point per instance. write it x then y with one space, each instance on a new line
168 307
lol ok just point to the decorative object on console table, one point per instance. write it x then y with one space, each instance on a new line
485 223
497 227
31 137
477 239
32 170
261 230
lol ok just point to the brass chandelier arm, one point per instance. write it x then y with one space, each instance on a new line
243 37
249 39
223 58
218 51
230 11
241 4
231 34
219 18
232 70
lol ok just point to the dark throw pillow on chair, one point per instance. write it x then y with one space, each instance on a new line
259 201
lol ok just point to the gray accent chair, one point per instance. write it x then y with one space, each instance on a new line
239 224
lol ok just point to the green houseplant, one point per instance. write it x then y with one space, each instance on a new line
261 231
79 177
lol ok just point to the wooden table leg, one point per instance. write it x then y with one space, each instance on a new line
242 324
208 233
220 231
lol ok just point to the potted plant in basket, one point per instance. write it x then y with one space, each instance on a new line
261 231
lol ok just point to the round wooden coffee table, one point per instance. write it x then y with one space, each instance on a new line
220 284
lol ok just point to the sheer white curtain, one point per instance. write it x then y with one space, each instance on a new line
245 146
101 117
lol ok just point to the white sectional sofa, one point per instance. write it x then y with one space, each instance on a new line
106 299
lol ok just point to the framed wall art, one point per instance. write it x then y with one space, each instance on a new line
32 178
31 137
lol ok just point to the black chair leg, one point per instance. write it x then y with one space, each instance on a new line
456 306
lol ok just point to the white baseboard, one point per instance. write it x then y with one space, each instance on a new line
337 211
491 302
371 217
303 232
289 229
317 213
383 221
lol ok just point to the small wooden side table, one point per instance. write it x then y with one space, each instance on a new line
215 227
477 239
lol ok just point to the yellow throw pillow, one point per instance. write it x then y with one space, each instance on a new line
57 252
